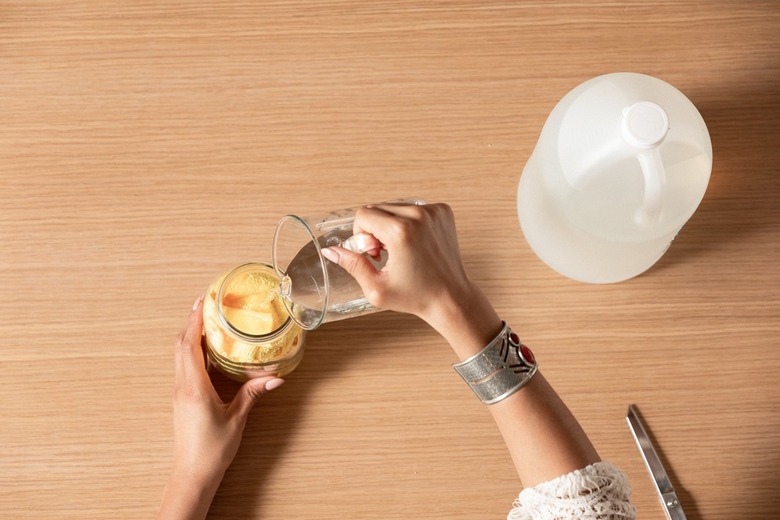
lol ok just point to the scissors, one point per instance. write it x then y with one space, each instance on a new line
663 485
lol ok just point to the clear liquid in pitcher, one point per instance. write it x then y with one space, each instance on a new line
305 287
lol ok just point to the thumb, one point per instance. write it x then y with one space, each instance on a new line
359 266
250 392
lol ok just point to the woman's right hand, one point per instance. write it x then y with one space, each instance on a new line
423 256
424 273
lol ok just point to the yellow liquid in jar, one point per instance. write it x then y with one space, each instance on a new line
251 304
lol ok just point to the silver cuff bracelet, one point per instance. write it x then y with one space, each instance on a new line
500 369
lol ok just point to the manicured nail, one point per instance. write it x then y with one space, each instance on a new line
273 384
331 255
197 302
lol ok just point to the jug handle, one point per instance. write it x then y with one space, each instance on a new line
655 180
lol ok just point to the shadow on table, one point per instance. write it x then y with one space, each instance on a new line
741 200
743 120
329 352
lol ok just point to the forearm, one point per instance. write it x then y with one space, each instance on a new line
543 437
186 498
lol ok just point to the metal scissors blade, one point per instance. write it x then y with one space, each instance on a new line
666 493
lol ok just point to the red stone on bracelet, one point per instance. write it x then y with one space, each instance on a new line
527 355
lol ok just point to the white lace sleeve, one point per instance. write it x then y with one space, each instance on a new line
597 492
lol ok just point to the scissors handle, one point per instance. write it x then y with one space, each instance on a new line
672 507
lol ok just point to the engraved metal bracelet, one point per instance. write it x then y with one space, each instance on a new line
500 369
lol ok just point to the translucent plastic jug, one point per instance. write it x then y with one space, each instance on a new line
622 163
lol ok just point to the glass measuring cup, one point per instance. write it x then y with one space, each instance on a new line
314 289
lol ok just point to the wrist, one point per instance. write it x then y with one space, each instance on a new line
502 368
465 318
188 495
193 478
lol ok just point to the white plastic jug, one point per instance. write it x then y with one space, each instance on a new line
621 164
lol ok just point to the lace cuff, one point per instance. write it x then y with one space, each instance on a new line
597 492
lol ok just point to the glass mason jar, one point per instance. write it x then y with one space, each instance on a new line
248 331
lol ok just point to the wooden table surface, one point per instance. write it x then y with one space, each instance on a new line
147 146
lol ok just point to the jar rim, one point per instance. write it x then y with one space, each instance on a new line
250 338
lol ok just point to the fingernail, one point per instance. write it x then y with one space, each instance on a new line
197 302
273 384
330 255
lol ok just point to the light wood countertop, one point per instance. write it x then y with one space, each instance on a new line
147 146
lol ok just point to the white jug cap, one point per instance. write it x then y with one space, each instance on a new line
645 124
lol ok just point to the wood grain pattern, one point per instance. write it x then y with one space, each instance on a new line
146 146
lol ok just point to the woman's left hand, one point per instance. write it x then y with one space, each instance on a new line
207 431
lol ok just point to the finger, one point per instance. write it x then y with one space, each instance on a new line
376 254
250 392
181 338
362 243
402 209
357 265
190 362
205 349
382 222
